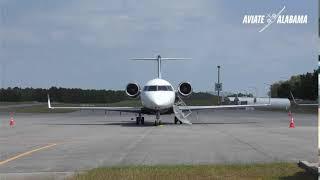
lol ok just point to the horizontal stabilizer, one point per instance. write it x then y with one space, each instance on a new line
159 59
155 59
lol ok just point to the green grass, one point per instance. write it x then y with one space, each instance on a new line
284 171
43 108
200 102
129 103
35 109
16 103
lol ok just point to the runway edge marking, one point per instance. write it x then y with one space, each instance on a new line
27 153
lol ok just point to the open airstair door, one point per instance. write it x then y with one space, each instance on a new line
182 116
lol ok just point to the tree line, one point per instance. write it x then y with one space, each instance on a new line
303 86
66 95
76 95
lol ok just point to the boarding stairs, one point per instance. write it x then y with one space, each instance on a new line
181 114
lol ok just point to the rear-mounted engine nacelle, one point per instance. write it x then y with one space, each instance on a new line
133 90
185 89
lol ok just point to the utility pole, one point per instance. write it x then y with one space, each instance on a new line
218 86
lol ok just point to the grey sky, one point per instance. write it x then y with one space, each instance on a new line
87 44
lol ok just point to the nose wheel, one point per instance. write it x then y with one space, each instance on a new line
157 121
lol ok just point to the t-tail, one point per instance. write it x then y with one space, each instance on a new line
159 59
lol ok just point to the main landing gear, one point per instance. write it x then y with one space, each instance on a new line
139 119
157 122
176 120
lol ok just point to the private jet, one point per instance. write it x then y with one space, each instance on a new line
158 97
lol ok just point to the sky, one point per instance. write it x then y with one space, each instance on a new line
88 44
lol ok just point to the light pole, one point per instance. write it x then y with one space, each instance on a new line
219 87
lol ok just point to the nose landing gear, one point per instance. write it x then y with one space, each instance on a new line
157 121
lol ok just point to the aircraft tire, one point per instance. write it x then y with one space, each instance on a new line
175 120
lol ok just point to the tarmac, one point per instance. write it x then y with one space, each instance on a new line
73 142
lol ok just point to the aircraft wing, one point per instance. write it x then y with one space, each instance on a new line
119 109
298 104
195 108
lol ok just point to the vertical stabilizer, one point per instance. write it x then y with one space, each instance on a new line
159 66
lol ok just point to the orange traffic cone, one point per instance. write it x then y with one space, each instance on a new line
291 123
11 122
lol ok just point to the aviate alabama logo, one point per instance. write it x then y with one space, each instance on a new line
278 18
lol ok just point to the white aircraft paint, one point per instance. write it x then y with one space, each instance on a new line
157 100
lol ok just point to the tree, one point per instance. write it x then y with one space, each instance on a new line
302 86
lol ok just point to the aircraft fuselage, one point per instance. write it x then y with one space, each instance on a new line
158 95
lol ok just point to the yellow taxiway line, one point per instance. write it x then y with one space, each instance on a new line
27 153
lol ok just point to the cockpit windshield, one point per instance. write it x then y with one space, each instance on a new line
157 88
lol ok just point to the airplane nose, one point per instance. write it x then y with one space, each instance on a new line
162 103
159 102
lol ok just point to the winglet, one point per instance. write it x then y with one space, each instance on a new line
49 102
294 100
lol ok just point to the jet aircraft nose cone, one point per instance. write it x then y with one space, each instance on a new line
158 99
163 102
159 102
